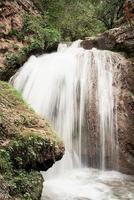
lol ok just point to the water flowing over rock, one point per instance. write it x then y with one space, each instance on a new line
121 39
76 89
73 88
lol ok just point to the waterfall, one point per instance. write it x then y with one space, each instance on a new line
64 87
75 89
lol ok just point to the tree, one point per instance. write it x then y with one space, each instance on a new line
108 12
80 18
74 19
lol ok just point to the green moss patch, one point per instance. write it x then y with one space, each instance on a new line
28 144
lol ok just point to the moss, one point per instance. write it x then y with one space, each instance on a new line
30 152
1 114
27 143
15 99
7 89
25 185
5 162
14 32
25 115
18 183
1 117
4 189
14 96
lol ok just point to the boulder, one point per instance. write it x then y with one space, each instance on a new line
28 144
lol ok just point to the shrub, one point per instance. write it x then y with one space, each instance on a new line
5 163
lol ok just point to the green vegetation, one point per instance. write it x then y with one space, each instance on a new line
17 163
36 32
25 185
9 92
15 180
109 12
62 20
18 184
68 20
73 19
30 151
37 36
78 19
27 145
5 164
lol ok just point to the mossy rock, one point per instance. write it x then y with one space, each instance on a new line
19 122
18 184
28 144
25 185
32 152
4 189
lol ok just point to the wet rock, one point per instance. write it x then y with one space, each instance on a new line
119 39
126 118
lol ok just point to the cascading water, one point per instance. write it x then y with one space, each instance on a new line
71 87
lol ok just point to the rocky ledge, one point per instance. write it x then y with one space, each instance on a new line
121 40
28 144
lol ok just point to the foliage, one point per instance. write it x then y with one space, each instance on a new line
63 20
67 20
15 33
26 185
43 34
36 34
108 12
29 151
15 60
78 19
39 4
5 163
12 94
73 19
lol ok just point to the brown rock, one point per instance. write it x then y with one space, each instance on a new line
120 39
20 124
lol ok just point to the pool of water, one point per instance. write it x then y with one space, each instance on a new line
89 184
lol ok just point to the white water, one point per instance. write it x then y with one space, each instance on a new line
89 184
62 86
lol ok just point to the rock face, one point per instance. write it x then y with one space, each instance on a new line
12 14
27 143
122 40
126 117
118 39
22 33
